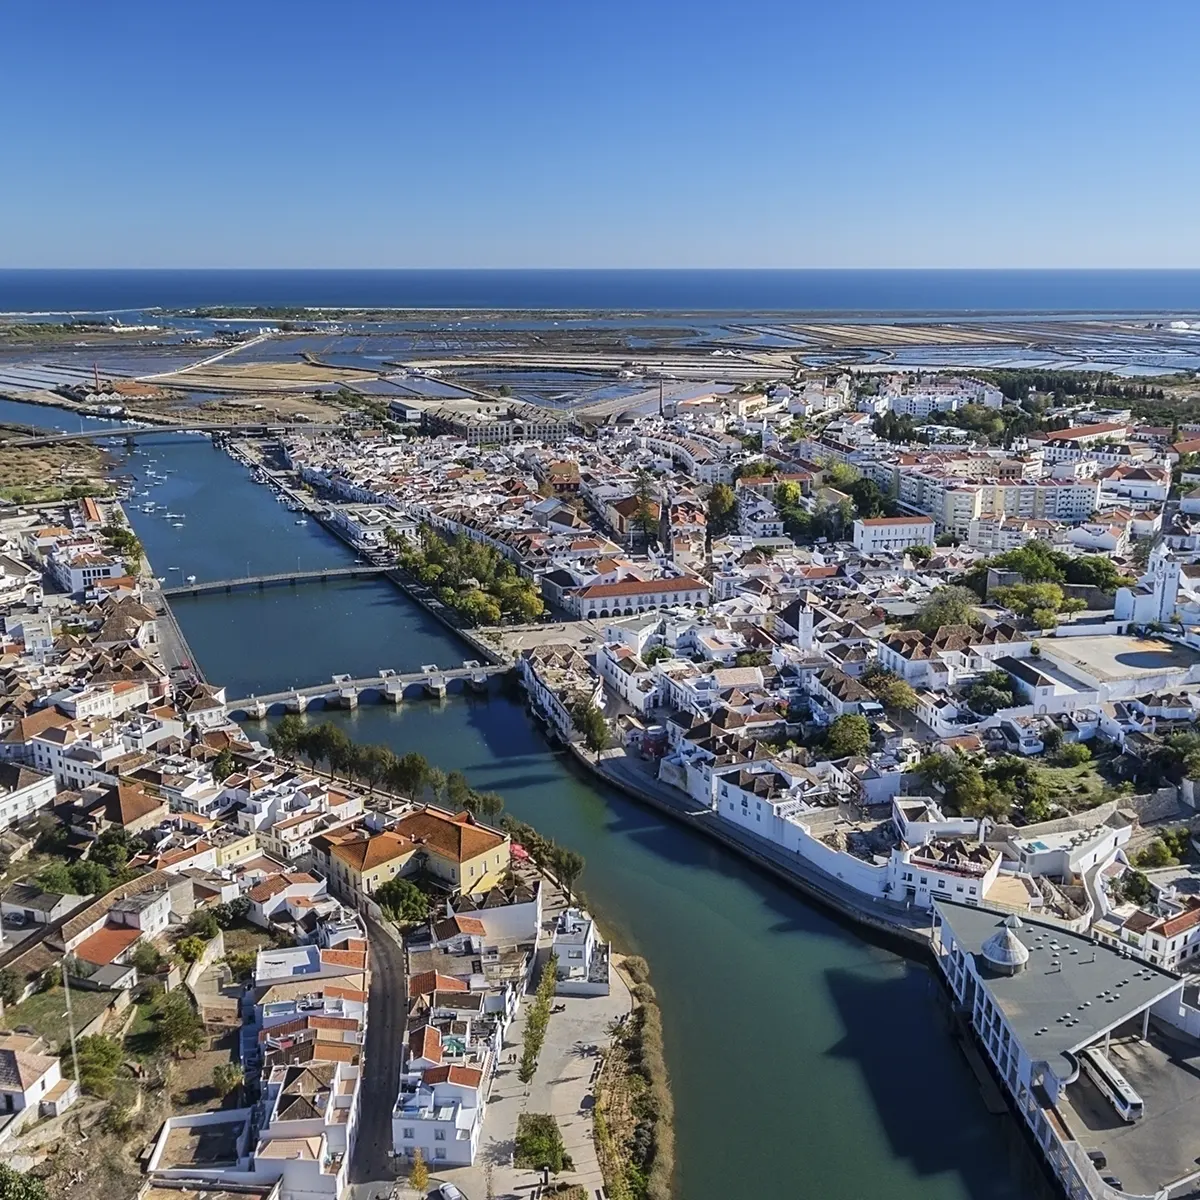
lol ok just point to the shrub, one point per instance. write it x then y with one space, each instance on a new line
540 1144
1073 754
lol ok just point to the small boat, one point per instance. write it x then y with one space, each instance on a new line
172 568
160 579
302 521
176 524
191 578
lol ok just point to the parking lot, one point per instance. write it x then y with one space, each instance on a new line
1164 1146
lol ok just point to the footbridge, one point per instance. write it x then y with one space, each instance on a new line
392 688
208 586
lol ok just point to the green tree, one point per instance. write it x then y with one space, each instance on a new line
889 689
373 764
227 1078
753 658
190 948
203 923
849 734
89 878
418 1173
10 986
722 514
841 475
16 1185
946 606
1156 854
645 516
179 1027
146 958
920 554
659 653
568 866
435 784
403 901
99 1059
222 765
286 737
408 773
458 790
1073 754
590 722
54 877
1043 618
869 500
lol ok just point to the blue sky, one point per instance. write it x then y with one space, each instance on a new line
512 133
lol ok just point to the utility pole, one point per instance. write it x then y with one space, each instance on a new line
660 396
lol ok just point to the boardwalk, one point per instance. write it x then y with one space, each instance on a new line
207 586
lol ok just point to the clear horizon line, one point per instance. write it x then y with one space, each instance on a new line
1177 270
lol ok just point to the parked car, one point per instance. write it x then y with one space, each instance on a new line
446 1192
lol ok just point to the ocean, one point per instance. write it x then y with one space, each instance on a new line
850 292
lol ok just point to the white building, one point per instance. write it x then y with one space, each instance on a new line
875 535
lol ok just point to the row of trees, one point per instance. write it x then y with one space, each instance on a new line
409 774
474 579
536 1019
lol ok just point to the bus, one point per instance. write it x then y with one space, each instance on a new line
1113 1084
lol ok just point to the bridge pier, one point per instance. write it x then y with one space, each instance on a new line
297 703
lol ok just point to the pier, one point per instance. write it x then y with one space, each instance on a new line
320 574
344 692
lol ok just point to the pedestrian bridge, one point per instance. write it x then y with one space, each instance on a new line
391 686
206 586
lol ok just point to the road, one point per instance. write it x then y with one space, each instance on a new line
371 1162
212 358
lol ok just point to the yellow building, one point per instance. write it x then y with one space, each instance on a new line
451 847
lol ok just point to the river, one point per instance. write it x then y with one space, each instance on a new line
805 1060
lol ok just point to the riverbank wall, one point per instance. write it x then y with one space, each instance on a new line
907 927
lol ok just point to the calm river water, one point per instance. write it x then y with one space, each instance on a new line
805 1060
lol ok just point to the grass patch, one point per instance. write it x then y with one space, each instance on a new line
141 1038
1077 788
243 937
46 1012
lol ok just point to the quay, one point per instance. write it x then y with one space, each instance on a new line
321 574
392 687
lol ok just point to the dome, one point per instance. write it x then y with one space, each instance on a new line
1004 951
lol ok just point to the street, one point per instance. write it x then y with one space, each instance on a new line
371 1162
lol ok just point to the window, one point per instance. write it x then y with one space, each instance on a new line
408 1133
439 1153
439 1135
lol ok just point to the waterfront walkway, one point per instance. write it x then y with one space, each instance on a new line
562 1086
